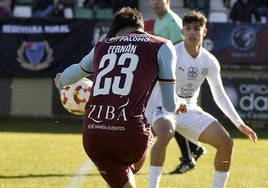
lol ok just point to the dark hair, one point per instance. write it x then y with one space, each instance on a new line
193 16
124 17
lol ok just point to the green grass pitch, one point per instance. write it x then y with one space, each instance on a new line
49 154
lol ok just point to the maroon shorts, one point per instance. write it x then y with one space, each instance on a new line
114 155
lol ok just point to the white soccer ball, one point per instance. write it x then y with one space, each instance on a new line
74 97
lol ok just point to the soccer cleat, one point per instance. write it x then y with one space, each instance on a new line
185 166
200 151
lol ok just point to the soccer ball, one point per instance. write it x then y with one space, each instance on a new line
74 97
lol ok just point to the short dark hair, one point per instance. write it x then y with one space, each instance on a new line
193 16
124 17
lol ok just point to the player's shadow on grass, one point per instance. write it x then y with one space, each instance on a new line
53 175
42 125
74 125
45 175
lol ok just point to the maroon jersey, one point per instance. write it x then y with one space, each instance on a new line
121 65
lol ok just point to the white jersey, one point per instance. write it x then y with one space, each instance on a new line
190 75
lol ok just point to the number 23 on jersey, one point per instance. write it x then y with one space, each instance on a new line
108 63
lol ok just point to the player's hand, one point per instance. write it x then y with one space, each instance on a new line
182 109
56 80
248 132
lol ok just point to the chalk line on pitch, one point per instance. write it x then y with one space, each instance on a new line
80 175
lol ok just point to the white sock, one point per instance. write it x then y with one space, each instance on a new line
220 179
154 176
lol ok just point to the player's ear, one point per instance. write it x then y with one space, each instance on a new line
205 32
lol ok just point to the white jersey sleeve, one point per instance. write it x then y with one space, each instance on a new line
167 64
220 96
166 54
75 72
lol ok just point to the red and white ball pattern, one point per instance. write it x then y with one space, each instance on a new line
74 97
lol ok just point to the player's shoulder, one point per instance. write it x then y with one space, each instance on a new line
208 55
179 46
210 59
173 15
169 18
157 39
174 19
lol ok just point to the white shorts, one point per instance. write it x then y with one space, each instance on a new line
190 124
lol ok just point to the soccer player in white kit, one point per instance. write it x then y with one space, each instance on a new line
194 65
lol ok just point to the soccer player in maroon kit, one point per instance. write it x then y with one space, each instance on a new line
125 68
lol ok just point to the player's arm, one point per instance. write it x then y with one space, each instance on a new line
75 72
225 104
220 96
167 65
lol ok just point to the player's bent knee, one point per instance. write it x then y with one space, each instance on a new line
164 139
165 134
227 143
163 127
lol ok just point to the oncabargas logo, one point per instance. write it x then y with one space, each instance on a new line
35 55
243 38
